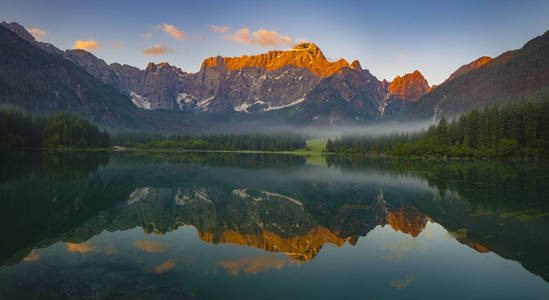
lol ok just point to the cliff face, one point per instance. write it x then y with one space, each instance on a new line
304 55
156 87
348 95
250 89
409 87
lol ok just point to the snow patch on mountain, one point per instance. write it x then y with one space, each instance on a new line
183 98
203 104
140 101
138 194
243 107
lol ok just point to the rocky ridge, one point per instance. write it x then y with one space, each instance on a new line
299 79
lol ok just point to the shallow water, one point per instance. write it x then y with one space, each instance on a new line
260 226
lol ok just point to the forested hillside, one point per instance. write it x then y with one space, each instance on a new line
20 130
47 83
515 129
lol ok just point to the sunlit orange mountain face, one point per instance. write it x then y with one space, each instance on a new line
305 55
410 86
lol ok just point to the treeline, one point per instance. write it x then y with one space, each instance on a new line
513 130
253 141
22 130
371 143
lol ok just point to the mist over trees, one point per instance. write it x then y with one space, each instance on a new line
515 129
23 130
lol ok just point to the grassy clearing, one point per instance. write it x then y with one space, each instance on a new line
314 146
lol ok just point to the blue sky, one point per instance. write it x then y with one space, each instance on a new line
389 38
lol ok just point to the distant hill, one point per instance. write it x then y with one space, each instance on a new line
508 77
43 82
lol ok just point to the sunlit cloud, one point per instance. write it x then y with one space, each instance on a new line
156 50
90 45
220 29
172 30
255 265
261 37
403 56
150 246
164 267
38 33
82 247
33 256
147 35
400 284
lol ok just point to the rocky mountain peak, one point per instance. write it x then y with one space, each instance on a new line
309 47
355 65
304 55
409 87
469 67
21 32
163 66
306 45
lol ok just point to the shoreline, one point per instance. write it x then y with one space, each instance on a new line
294 152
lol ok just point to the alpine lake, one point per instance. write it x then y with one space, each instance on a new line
129 225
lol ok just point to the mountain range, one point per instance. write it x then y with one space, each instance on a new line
298 86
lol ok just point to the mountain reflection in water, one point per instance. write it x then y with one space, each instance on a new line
131 214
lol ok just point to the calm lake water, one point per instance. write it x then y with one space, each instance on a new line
266 226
